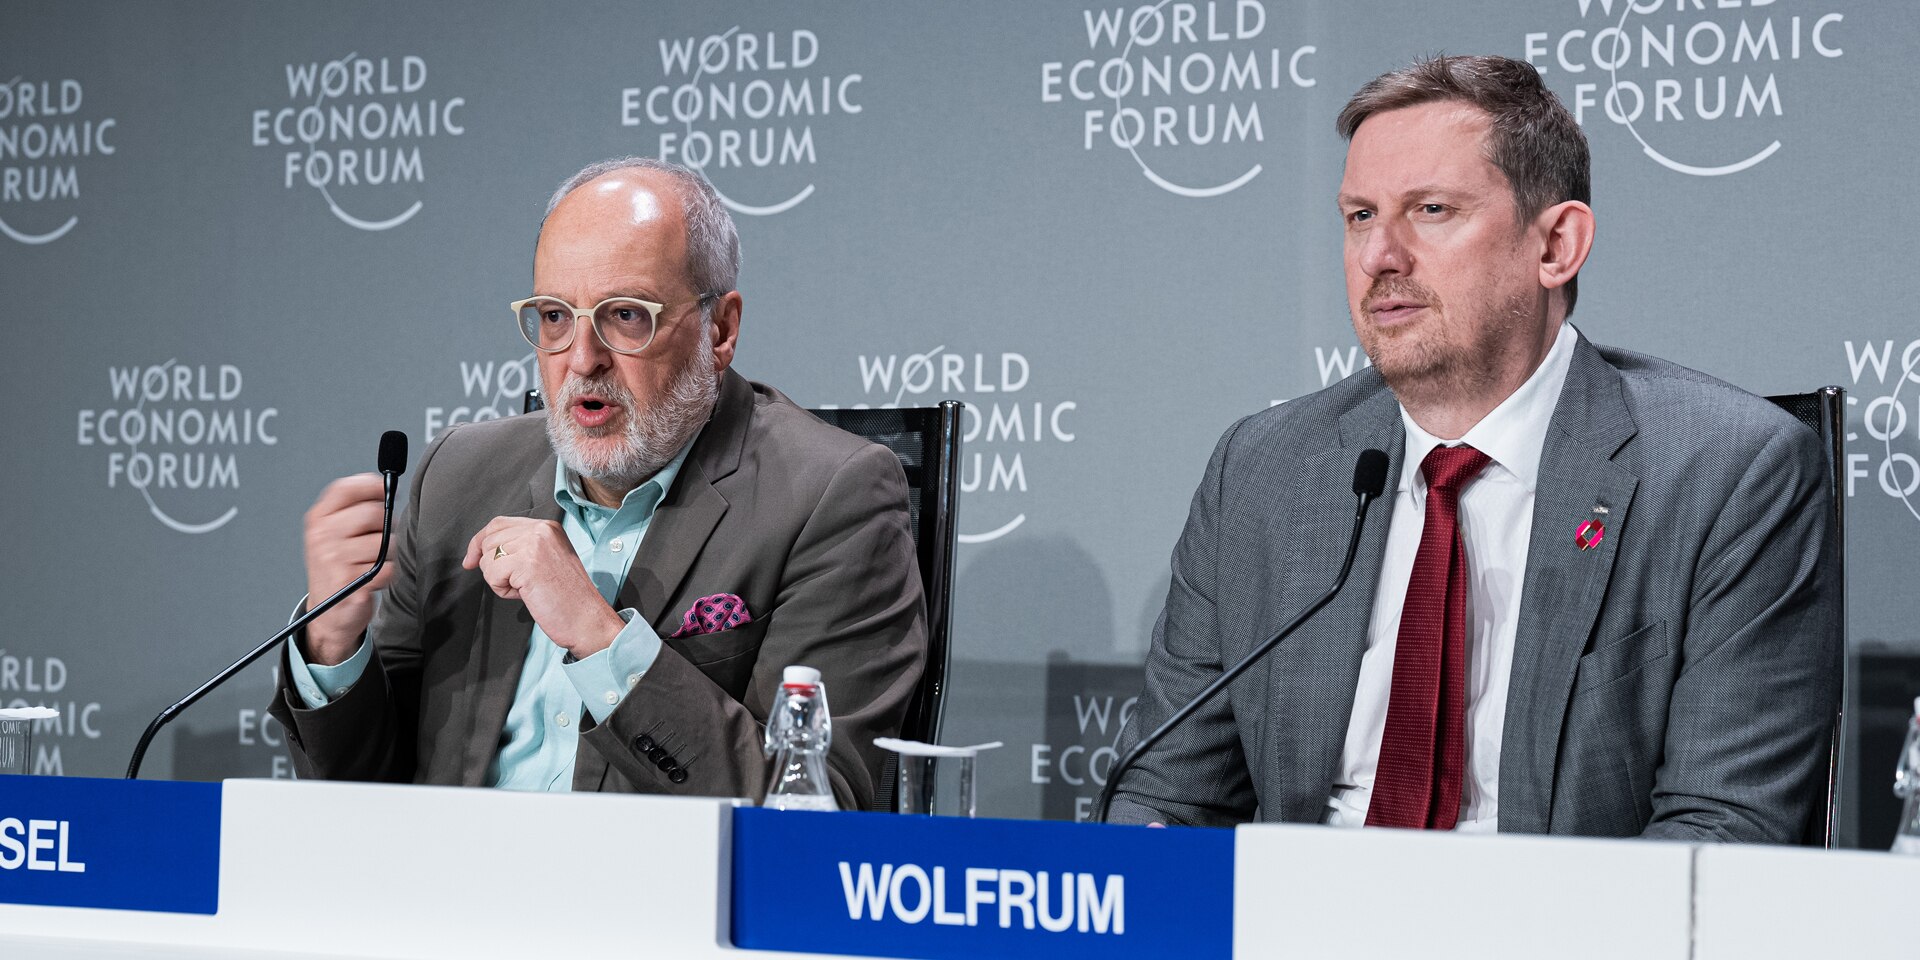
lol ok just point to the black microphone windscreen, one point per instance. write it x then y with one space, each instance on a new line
393 452
1370 474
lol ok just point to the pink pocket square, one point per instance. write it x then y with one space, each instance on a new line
722 611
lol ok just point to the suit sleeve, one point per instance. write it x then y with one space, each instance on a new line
849 604
1197 775
368 733
1752 709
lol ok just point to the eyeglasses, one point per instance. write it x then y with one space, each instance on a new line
624 324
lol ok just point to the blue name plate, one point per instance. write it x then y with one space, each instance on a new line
119 844
876 884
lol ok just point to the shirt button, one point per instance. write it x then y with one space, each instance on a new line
562 720
612 698
632 680
340 691
616 546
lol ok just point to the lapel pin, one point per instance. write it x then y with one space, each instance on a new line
1588 534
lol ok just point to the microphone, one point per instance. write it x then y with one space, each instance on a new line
1369 481
392 463
393 455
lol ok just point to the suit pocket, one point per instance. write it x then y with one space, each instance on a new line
707 648
1623 656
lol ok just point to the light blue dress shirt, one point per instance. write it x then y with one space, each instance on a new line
542 732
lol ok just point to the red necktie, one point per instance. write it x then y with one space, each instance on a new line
1423 751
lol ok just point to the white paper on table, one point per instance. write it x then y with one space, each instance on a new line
914 748
29 713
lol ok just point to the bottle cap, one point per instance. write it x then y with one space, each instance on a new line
797 674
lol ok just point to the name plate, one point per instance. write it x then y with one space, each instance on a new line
875 884
118 844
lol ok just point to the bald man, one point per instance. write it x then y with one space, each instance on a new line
602 596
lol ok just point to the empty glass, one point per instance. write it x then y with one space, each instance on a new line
937 785
16 736
16 746
1906 785
936 780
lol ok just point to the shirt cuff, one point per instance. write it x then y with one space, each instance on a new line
604 678
315 683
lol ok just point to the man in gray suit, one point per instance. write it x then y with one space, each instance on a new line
602 596
1598 597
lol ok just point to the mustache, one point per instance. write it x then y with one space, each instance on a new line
603 386
1399 288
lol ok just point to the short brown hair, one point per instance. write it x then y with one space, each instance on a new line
1534 142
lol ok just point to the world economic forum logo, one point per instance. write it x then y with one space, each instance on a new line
489 390
47 135
175 436
1007 421
352 130
1667 73
27 680
1885 397
741 106
1189 92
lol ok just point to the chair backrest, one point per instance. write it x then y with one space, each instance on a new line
927 441
533 401
1825 411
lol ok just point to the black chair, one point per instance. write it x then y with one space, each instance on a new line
1825 411
927 441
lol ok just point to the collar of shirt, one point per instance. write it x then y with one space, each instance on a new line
639 503
1513 434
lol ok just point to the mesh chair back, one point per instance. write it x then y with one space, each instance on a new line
927 441
1825 412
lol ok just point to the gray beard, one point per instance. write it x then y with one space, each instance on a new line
650 437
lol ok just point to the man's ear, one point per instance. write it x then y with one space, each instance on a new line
726 329
1567 229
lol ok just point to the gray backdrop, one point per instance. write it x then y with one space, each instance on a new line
241 239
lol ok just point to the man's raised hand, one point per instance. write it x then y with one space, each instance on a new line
342 541
532 561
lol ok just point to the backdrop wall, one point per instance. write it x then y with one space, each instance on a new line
243 238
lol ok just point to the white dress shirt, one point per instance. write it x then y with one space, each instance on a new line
1495 522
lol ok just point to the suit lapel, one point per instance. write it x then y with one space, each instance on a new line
676 536
1312 675
692 509
504 629
1564 584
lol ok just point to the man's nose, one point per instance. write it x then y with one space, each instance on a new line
1384 249
586 354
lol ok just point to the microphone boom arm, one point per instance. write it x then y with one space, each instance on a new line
1221 682
166 716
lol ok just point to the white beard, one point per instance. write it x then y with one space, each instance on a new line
651 436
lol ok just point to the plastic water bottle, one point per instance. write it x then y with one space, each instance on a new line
799 730
1906 784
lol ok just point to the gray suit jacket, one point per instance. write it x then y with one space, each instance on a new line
806 523
1679 680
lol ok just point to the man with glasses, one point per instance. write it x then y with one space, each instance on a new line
603 596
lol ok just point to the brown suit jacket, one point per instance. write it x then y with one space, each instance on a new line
806 523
